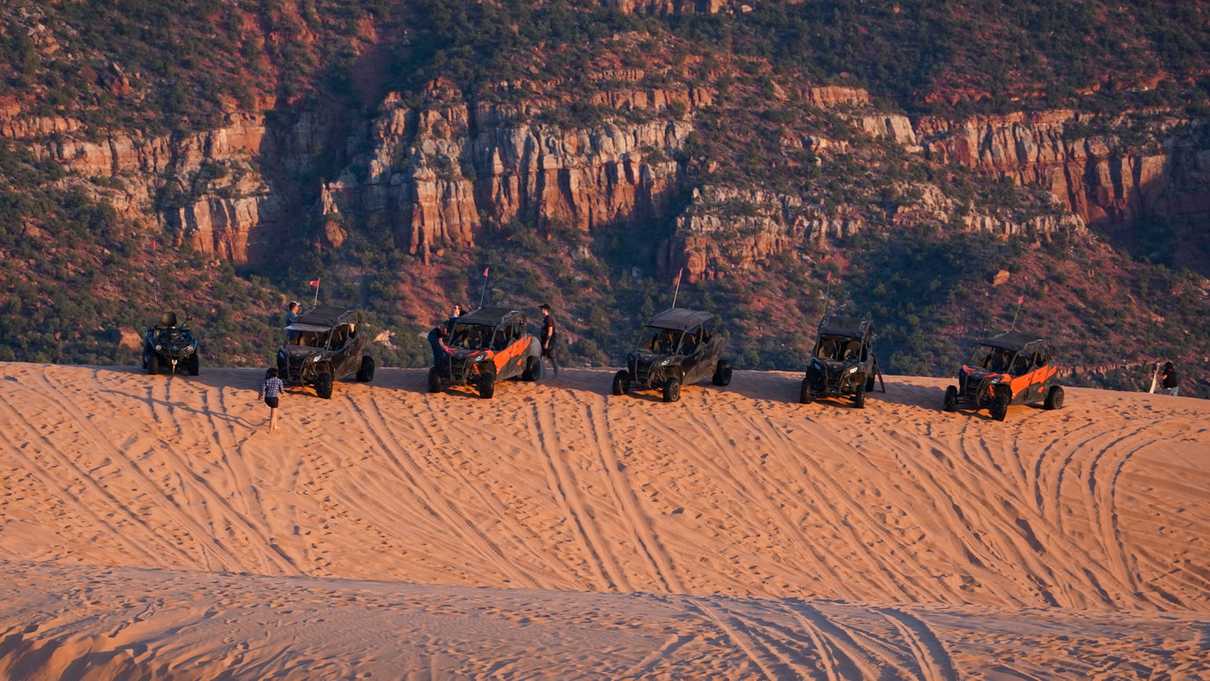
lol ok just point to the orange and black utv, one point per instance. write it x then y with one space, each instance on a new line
490 344
1011 368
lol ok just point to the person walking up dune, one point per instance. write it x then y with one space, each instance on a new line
271 392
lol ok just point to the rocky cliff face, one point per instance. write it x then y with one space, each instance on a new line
205 187
435 175
668 7
1096 176
727 230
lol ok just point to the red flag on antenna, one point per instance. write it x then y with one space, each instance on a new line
314 283
1020 299
486 270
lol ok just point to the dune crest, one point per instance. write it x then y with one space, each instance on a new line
763 537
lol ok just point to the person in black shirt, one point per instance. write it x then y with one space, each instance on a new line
441 351
548 337
1171 382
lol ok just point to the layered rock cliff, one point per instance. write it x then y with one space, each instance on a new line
437 174
1103 178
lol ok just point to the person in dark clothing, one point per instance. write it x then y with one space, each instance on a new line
1170 381
454 315
441 351
548 336
271 392
293 312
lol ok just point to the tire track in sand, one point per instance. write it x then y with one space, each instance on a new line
931 657
91 433
48 480
553 570
562 486
754 493
771 663
435 502
641 530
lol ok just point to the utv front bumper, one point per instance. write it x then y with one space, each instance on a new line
830 379
646 372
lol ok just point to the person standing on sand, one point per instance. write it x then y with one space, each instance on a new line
271 392
441 351
1170 381
548 337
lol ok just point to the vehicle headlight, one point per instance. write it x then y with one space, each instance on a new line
665 362
158 347
853 370
312 359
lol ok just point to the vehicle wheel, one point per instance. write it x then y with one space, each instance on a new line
533 369
1054 397
859 397
951 398
621 382
366 373
323 386
194 365
672 389
152 363
487 386
436 381
999 406
722 373
804 393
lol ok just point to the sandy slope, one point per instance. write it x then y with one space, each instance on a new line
770 538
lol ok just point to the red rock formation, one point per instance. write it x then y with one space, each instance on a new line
222 216
1094 176
438 175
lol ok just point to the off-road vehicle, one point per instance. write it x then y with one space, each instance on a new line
843 362
1011 368
491 344
323 346
675 348
168 345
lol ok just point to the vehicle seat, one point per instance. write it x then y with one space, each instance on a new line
827 349
1020 366
851 350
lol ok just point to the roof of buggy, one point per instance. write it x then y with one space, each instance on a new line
679 318
485 316
308 328
847 327
1012 341
324 315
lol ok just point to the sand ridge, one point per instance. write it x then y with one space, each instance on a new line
1092 518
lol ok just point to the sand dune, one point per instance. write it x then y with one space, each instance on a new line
147 523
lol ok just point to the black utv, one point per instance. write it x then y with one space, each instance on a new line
676 347
843 362
324 345
168 345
